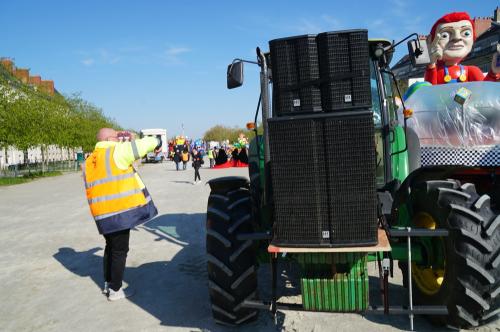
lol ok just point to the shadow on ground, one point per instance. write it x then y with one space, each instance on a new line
175 291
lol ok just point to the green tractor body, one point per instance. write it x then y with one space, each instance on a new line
446 210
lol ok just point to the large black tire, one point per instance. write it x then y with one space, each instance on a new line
232 269
471 283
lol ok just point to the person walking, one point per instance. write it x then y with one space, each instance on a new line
197 162
118 200
177 159
211 158
185 158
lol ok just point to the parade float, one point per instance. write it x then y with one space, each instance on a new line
421 190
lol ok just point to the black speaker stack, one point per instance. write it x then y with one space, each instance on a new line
320 73
321 140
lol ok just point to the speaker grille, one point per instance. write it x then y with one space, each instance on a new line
343 52
295 67
299 180
323 177
350 159
344 69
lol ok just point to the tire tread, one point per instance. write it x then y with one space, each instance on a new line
472 248
231 263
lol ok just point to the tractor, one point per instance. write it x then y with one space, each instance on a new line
343 175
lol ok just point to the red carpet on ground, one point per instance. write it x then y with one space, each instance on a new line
231 163
227 164
239 163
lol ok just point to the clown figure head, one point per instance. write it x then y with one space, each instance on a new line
450 41
452 37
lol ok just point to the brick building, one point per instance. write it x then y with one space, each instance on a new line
23 74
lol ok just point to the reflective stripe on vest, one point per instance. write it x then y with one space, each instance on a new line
110 190
104 216
135 150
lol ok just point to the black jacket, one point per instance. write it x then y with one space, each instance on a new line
177 158
197 161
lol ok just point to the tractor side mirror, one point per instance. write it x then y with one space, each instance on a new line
235 75
418 52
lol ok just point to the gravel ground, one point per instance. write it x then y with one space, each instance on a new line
50 266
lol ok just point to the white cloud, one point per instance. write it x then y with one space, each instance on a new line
175 51
323 23
108 57
131 49
137 54
172 55
307 26
88 62
377 23
332 22
99 57
399 8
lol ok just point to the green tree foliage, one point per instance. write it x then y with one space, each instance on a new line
87 120
30 118
221 133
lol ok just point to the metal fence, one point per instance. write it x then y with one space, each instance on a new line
31 168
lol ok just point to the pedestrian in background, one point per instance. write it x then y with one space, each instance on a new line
185 158
118 200
221 157
211 158
243 156
197 162
177 159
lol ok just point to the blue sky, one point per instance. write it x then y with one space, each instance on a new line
161 64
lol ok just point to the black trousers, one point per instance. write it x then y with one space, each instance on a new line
115 256
197 173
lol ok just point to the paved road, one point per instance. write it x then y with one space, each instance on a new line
51 256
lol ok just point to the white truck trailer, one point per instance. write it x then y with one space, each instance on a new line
159 156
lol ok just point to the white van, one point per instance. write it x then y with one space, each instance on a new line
161 155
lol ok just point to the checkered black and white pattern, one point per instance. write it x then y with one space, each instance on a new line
465 156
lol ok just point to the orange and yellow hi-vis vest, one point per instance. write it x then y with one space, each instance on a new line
117 198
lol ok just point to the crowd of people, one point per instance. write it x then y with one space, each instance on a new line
230 157
182 151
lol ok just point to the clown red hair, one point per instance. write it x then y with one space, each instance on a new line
450 18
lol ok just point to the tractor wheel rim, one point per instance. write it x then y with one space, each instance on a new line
428 279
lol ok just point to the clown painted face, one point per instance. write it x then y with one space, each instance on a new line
455 39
